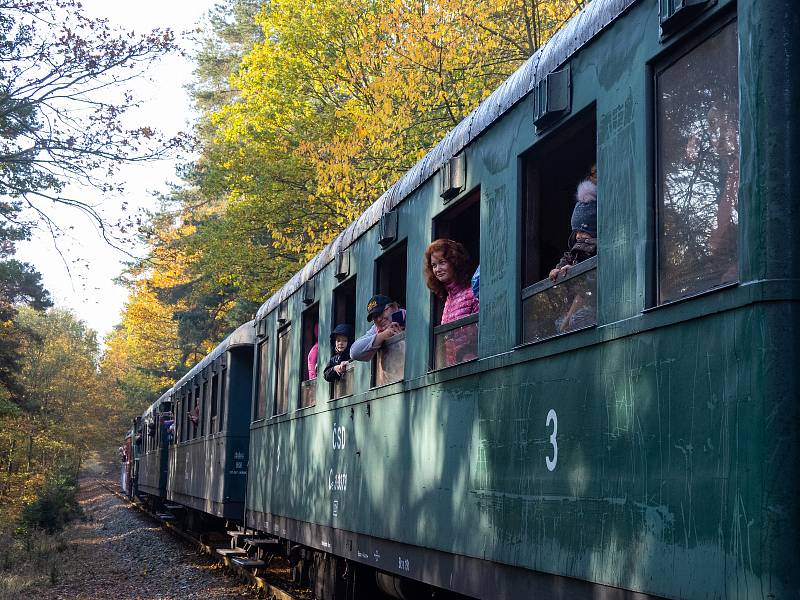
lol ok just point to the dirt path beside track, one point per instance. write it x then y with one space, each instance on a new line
120 553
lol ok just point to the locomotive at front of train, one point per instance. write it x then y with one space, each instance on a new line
208 448
628 430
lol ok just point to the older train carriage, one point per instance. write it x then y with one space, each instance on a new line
126 483
209 449
151 449
628 430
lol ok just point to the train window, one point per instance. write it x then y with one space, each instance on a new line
223 397
698 168
282 369
213 426
559 236
204 404
391 272
309 356
178 408
195 415
187 406
262 379
180 414
454 254
344 313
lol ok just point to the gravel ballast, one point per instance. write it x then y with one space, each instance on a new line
118 552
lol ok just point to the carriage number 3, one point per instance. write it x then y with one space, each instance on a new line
552 417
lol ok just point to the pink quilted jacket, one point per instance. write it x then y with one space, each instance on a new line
460 303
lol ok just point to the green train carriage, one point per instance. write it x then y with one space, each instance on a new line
650 451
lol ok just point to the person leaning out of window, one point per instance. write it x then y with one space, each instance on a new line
447 273
341 338
388 321
582 242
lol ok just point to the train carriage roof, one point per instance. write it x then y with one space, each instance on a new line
577 32
244 335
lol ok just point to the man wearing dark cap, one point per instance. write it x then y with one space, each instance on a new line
387 318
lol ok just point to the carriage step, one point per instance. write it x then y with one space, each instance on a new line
174 507
236 532
164 517
231 552
260 542
249 563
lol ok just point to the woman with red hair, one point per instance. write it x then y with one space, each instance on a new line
447 273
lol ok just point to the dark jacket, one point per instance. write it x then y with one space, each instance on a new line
329 374
578 251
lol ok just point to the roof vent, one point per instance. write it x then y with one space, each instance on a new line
676 14
342 264
261 327
453 177
553 98
283 313
388 229
309 291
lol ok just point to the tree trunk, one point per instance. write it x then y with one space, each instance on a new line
11 456
30 452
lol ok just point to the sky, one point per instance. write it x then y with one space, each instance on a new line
80 272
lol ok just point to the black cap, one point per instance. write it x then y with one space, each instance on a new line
343 329
376 305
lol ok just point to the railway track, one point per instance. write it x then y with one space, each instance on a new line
268 581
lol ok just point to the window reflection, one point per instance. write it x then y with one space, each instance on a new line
561 308
456 345
698 151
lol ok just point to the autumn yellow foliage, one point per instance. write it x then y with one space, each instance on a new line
325 108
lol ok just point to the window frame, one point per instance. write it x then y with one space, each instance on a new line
571 128
676 51
452 209
204 395
260 367
337 297
284 332
213 405
398 247
309 311
223 394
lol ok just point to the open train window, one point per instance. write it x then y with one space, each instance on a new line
214 403
262 380
196 411
282 369
187 406
559 236
223 395
181 415
391 272
178 416
178 409
309 356
344 313
454 256
203 403
697 121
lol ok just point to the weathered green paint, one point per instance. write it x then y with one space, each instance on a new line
677 471
209 473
